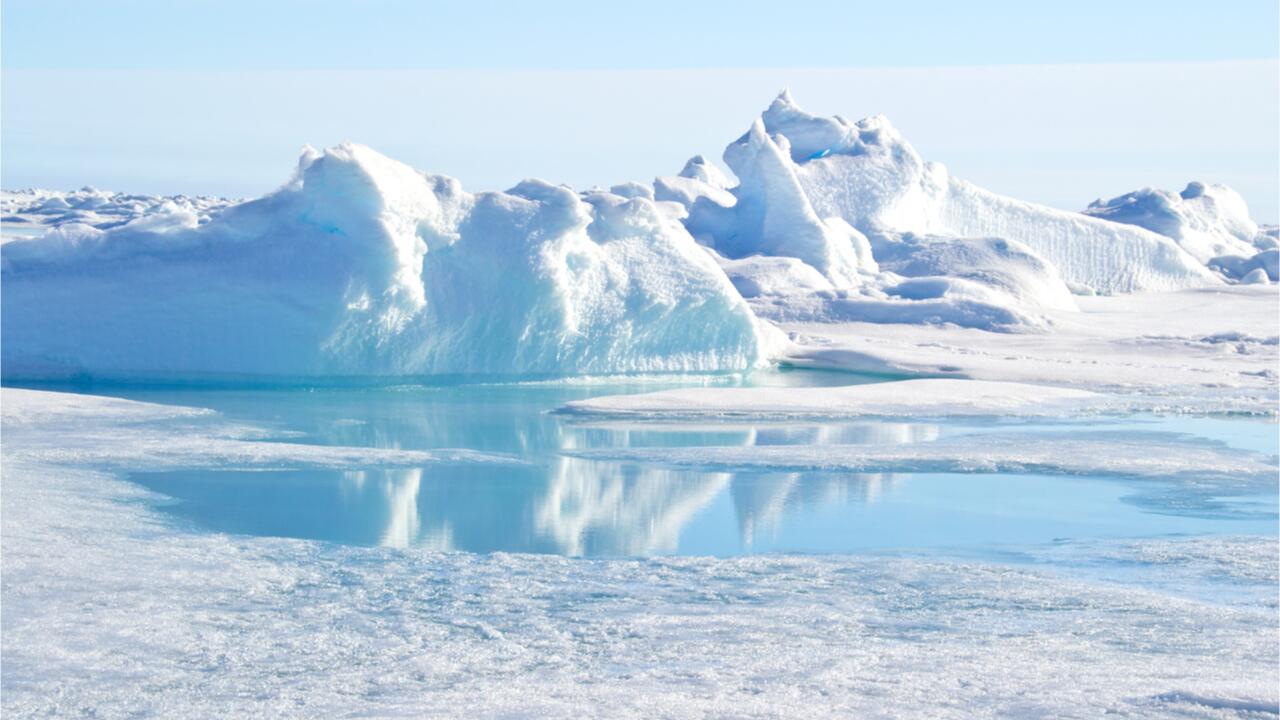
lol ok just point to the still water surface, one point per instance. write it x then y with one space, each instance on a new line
559 504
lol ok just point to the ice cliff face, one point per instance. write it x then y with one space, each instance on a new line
362 266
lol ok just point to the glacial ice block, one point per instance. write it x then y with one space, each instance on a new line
361 265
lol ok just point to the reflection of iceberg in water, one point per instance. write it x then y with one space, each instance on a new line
399 501
761 501
595 507
552 504
559 504
402 497
575 507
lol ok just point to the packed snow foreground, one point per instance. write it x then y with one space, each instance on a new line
838 233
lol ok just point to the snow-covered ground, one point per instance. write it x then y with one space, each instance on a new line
1132 455
912 398
1208 350
111 611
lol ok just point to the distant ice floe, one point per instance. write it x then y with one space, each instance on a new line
28 212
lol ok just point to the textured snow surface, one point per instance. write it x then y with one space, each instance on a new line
363 266
111 611
1192 351
26 212
935 397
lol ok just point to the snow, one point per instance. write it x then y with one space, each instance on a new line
933 397
112 610
761 275
1144 455
161 437
1001 266
899 240
771 215
1205 220
362 266
808 173
836 233
1197 351
869 258
25 212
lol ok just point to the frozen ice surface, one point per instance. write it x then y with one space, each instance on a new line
363 266
111 611
868 257
1212 350
1153 456
933 397
158 437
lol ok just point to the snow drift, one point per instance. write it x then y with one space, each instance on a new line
362 266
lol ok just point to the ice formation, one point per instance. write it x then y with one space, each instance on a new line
1211 222
363 266
830 183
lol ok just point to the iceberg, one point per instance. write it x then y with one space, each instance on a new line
360 265
814 188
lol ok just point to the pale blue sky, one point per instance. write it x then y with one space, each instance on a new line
1055 103
388 34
